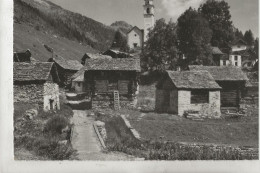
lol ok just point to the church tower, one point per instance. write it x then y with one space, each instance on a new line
149 20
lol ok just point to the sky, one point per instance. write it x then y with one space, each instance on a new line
245 13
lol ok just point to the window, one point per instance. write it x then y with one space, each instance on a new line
224 62
236 64
236 58
148 10
135 35
78 84
199 96
135 45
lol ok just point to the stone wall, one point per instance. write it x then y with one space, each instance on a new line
107 101
30 93
51 96
211 109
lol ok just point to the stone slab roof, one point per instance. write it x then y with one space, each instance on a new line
216 51
116 64
95 56
67 64
79 76
193 80
39 71
222 73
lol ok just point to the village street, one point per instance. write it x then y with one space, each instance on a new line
85 140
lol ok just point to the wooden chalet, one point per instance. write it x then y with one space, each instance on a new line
111 81
108 75
181 91
232 80
66 69
36 83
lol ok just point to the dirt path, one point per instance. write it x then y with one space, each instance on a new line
85 141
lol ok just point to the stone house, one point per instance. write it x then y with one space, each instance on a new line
87 56
181 91
66 69
135 38
105 79
36 83
231 79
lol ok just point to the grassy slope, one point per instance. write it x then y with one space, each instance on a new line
26 37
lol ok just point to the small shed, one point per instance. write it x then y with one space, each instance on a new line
77 81
231 79
181 91
66 69
36 83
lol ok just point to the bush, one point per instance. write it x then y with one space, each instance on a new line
55 124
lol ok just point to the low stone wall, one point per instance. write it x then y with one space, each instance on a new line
107 101
244 151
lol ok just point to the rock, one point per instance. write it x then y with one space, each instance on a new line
66 129
99 123
64 142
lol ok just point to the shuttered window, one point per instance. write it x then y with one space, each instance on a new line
199 96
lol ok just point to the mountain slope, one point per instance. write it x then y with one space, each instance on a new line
122 26
39 22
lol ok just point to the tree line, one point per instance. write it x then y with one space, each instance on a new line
195 32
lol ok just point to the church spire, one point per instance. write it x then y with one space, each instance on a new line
149 20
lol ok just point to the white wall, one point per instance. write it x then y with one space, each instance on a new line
222 64
149 23
51 92
135 36
211 109
239 60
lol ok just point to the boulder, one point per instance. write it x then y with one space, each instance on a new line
64 142
99 123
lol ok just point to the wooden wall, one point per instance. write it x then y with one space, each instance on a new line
109 81
231 93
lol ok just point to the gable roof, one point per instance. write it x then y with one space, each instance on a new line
79 76
117 64
135 27
22 56
193 80
117 53
240 42
95 56
67 64
38 71
216 51
222 73
241 52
